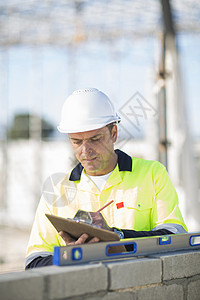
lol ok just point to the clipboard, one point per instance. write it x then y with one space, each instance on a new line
76 229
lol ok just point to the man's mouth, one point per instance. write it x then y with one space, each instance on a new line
89 159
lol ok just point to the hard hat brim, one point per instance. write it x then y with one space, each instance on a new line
77 129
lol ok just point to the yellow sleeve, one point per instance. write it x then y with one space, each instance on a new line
43 236
166 204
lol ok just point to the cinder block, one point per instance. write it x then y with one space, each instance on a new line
180 264
72 281
194 290
119 296
164 292
21 286
136 272
110 296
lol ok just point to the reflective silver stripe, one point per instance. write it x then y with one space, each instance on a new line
174 228
37 254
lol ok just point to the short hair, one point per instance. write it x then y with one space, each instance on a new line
110 126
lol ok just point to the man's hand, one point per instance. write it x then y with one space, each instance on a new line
98 219
69 241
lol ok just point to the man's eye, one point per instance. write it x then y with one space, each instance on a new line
76 142
96 139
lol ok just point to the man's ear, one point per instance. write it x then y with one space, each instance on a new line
114 133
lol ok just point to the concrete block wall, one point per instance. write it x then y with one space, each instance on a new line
175 275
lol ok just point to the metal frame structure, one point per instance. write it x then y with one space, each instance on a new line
66 23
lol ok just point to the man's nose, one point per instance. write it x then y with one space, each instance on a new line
86 147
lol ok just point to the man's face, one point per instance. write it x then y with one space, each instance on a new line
95 150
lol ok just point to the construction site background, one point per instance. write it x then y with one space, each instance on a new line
146 60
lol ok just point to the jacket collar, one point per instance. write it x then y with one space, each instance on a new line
124 163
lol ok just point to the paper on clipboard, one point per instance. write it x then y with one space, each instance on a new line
77 229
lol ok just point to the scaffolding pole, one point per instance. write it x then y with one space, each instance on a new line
168 44
177 142
4 63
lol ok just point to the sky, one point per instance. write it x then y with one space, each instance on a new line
189 53
39 79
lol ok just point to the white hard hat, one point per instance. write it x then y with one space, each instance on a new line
85 110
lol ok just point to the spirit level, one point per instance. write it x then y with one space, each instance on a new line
69 255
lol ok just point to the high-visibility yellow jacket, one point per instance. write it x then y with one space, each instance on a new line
143 194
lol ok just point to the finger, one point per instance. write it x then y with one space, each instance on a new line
66 237
82 239
94 240
96 215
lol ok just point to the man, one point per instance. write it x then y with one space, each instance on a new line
145 201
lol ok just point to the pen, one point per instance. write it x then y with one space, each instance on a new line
100 209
